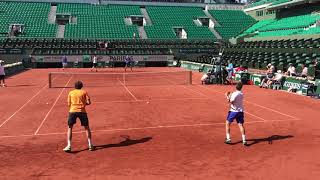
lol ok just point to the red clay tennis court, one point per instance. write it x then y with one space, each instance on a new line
153 125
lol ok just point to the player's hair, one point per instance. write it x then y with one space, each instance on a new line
78 85
239 86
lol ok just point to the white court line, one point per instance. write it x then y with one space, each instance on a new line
150 100
24 105
197 92
224 103
270 109
55 102
255 104
128 90
146 128
254 116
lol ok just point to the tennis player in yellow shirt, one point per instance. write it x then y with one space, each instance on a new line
78 99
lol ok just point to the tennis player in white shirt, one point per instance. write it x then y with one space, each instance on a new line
95 63
236 113
2 74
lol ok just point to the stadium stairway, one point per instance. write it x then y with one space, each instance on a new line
142 33
60 31
146 16
218 36
216 23
52 15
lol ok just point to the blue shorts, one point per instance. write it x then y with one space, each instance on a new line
235 115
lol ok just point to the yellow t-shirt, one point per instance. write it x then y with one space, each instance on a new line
77 100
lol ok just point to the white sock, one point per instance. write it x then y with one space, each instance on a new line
243 138
90 143
69 143
228 136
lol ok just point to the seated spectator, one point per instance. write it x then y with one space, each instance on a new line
291 70
269 76
276 79
271 68
240 69
304 72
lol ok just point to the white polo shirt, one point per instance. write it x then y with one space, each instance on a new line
95 59
237 101
2 70
292 70
204 77
304 71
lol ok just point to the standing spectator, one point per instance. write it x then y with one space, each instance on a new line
230 70
95 63
64 62
291 70
2 74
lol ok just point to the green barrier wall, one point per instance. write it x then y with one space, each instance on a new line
256 78
15 68
196 66
293 83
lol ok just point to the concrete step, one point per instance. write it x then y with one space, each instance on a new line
142 33
146 16
218 36
52 15
60 31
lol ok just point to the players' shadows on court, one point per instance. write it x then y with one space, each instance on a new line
126 142
269 139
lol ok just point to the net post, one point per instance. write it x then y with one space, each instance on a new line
49 83
190 77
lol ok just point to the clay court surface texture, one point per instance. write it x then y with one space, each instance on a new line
154 131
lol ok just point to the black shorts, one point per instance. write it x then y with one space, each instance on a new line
72 118
2 77
95 65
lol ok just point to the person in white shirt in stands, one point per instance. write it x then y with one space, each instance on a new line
95 63
304 72
276 79
269 76
291 70
2 74
236 113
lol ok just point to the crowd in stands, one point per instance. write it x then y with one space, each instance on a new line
222 73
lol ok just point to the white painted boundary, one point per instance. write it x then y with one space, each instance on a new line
55 102
134 97
146 128
24 105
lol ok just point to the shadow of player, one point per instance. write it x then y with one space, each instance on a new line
126 142
269 139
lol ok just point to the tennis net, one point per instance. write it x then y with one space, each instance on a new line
67 79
